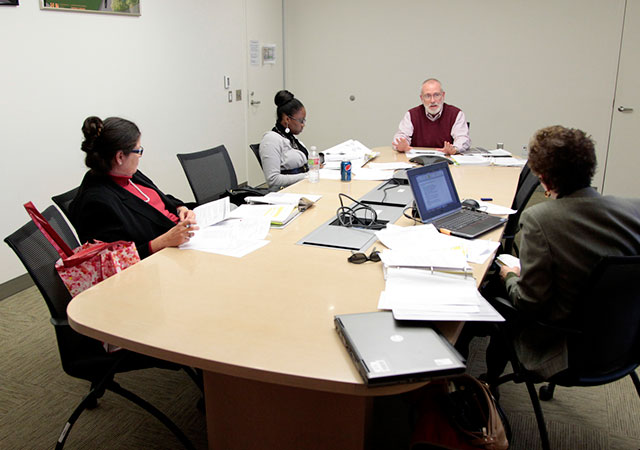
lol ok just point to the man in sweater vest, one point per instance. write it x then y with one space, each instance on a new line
433 124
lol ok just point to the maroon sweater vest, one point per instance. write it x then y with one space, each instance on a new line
432 134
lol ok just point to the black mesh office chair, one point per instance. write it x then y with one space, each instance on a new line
210 173
255 148
81 356
603 337
64 200
527 184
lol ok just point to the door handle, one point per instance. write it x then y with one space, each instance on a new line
255 102
623 109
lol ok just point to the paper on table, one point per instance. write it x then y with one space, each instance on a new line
471 160
390 166
419 152
425 238
328 174
283 198
233 238
350 150
449 259
422 295
276 214
508 162
212 212
371 174
492 208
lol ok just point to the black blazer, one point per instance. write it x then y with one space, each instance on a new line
105 211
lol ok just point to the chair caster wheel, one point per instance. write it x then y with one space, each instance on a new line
545 393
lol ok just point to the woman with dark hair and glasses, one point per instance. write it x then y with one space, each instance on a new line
116 201
283 156
561 242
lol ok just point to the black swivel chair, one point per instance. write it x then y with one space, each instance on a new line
64 200
527 184
255 148
81 356
210 173
603 338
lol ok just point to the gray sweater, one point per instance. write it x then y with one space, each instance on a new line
276 154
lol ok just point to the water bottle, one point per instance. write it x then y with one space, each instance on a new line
314 166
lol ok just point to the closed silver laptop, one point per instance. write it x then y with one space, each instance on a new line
387 351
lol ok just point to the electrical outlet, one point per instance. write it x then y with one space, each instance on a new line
238 95
230 94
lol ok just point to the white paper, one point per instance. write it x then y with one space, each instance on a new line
236 237
390 166
212 212
277 214
508 162
364 173
419 294
505 259
454 259
350 150
497 210
417 152
471 160
283 198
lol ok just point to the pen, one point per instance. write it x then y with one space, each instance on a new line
486 199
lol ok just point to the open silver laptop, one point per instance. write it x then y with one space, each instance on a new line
388 351
437 202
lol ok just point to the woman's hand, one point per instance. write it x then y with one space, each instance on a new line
505 270
185 213
177 235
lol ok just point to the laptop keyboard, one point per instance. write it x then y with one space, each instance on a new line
461 220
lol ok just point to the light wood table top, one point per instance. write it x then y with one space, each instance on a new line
269 315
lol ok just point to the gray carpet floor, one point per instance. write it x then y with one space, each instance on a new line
36 398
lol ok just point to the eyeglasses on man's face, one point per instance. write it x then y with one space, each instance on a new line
138 151
302 121
436 96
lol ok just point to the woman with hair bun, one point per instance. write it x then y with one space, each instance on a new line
283 156
118 202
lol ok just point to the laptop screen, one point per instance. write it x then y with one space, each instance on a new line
434 191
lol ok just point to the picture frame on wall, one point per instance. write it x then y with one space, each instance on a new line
126 7
9 2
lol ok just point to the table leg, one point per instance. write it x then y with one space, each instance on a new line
247 414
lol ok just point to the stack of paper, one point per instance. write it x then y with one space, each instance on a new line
428 276
350 150
417 294
220 233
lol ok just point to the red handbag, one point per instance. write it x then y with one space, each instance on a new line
88 264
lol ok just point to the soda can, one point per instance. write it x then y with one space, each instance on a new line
345 171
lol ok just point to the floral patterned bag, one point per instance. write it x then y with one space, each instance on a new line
88 264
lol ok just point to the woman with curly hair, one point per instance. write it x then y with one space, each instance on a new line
562 241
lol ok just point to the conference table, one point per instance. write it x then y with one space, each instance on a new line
276 374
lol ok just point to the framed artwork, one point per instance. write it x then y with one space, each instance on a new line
9 2
128 7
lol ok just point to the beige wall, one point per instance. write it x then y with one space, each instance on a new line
513 66
164 70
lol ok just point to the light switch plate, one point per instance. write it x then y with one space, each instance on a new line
230 94
227 82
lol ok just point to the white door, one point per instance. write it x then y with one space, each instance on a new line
623 158
264 28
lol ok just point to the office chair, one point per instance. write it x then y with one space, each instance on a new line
603 339
210 173
527 184
81 356
64 200
255 148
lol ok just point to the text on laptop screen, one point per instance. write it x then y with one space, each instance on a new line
434 191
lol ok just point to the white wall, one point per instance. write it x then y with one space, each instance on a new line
513 66
163 70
